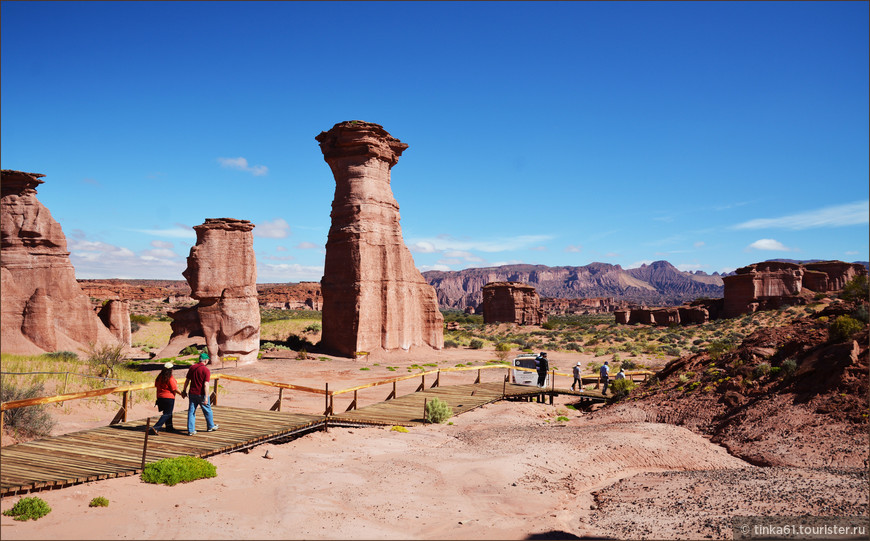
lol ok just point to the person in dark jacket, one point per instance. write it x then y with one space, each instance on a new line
543 368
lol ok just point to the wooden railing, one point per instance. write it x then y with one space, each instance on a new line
125 390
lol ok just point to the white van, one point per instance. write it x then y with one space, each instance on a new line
523 377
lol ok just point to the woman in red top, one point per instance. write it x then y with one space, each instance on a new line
167 388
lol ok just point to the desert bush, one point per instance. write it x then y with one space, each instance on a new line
549 325
314 328
105 358
398 428
451 344
99 501
629 364
31 420
476 343
562 419
134 326
63 355
28 508
298 343
438 411
856 289
182 469
861 313
789 367
502 351
190 350
844 327
621 387
718 348
140 319
761 370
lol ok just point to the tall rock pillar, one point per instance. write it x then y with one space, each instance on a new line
374 298
222 273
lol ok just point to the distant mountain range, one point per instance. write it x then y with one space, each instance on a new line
656 284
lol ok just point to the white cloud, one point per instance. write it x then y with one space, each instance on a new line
690 267
436 267
95 259
178 232
699 244
573 249
158 253
538 248
288 272
241 164
280 248
304 245
638 264
276 229
422 247
161 244
839 216
768 244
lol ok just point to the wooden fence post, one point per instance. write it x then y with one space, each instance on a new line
437 379
478 377
326 398
425 400
504 387
277 405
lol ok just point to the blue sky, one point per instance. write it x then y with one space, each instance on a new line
711 135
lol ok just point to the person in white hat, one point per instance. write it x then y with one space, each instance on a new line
577 381
167 388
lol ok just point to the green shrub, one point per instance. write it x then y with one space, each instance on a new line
717 348
183 469
451 344
398 428
476 343
32 420
502 350
63 355
140 319
28 508
621 387
562 419
438 411
314 328
190 350
862 314
844 327
99 501
761 370
628 364
774 371
789 367
856 290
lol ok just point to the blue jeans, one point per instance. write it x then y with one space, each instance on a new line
166 406
198 400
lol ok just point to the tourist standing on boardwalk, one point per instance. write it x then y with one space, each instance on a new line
543 368
621 373
167 388
203 357
604 373
577 381
198 377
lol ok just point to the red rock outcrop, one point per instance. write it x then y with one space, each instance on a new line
222 273
374 298
597 305
512 302
762 286
837 275
43 309
115 315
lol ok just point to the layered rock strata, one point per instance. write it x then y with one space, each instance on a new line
374 298
115 315
222 273
43 308
762 286
512 302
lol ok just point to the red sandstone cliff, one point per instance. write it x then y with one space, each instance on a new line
43 308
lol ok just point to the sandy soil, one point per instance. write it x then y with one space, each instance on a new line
504 471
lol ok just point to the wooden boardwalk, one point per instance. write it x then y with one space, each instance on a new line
116 450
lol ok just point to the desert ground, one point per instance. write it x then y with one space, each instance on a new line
507 470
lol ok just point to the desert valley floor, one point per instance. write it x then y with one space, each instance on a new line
507 470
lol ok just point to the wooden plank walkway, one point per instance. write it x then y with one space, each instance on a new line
116 450
408 410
